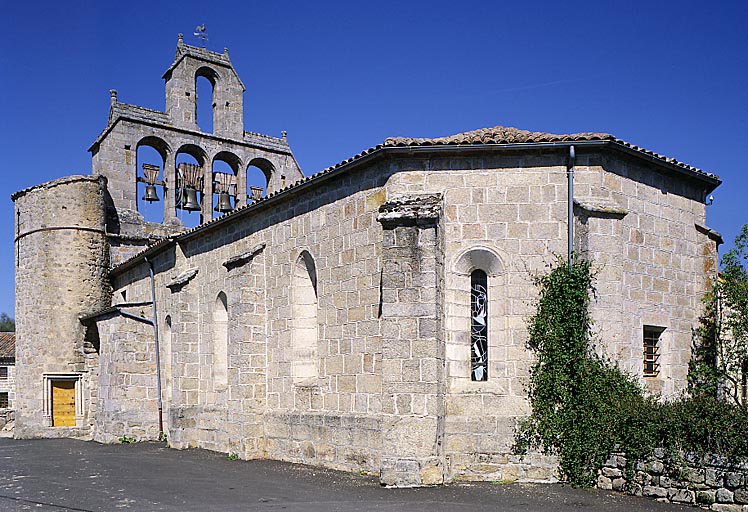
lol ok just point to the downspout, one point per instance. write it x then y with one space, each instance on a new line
158 352
570 199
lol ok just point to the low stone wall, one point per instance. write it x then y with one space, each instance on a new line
348 442
503 467
710 481
6 416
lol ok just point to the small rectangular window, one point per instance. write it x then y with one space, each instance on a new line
3 372
4 400
652 350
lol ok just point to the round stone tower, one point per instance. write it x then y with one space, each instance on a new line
61 256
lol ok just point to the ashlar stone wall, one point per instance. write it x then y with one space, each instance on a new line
388 249
507 216
643 233
331 418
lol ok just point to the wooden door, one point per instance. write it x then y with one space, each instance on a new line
63 403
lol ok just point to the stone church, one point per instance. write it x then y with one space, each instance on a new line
370 317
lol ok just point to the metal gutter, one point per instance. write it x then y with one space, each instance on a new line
159 402
570 205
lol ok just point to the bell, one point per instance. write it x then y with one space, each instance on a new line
224 203
150 193
190 200
256 193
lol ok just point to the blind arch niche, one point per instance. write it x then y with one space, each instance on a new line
305 327
220 342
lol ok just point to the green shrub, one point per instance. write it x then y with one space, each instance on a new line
584 408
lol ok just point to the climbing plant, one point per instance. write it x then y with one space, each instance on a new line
719 362
584 407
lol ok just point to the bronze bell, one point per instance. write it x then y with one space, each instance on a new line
190 200
224 203
256 193
150 193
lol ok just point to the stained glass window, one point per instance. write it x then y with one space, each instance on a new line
479 325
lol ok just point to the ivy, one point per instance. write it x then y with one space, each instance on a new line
584 407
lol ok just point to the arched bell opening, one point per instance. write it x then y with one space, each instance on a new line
149 182
226 183
205 101
259 172
189 188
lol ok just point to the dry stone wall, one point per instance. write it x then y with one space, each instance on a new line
709 481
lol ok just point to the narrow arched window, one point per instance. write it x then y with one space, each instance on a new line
479 325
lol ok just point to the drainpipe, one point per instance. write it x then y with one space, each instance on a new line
570 219
158 352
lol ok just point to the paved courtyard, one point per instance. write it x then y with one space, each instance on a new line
66 474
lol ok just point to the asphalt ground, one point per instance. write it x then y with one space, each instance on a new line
72 475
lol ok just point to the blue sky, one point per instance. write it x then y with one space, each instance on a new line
342 76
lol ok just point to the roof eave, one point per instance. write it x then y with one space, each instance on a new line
378 152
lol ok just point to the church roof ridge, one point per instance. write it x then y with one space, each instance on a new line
511 135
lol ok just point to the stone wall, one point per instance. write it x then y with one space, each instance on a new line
61 264
7 416
9 385
391 385
260 411
126 400
645 241
129 127
507 216
709 481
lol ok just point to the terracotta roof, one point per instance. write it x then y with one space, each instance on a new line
496 135
7 345
509 135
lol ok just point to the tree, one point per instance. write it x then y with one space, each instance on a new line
7 324
720 353
733 296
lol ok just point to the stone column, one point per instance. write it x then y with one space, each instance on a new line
241 187
412 343
170 190
207 199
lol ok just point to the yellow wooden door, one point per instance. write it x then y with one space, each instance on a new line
63 403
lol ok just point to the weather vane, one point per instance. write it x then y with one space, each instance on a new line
201 33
